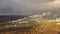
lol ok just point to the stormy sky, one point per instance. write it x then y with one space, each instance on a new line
28 7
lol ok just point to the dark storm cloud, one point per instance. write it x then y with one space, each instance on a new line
7 6
27 7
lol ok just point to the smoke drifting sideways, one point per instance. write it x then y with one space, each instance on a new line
29 7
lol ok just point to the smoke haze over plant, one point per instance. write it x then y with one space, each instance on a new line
29 7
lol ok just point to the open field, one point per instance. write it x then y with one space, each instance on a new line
42 28
31 25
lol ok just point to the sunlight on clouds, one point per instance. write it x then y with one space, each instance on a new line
49 5
55 4
36 7
28 7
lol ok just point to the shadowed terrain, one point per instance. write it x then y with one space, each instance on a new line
5 18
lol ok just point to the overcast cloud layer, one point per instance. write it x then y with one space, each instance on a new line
28 7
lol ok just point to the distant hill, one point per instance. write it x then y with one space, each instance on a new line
4 18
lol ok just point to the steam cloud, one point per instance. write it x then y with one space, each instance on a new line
28 7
